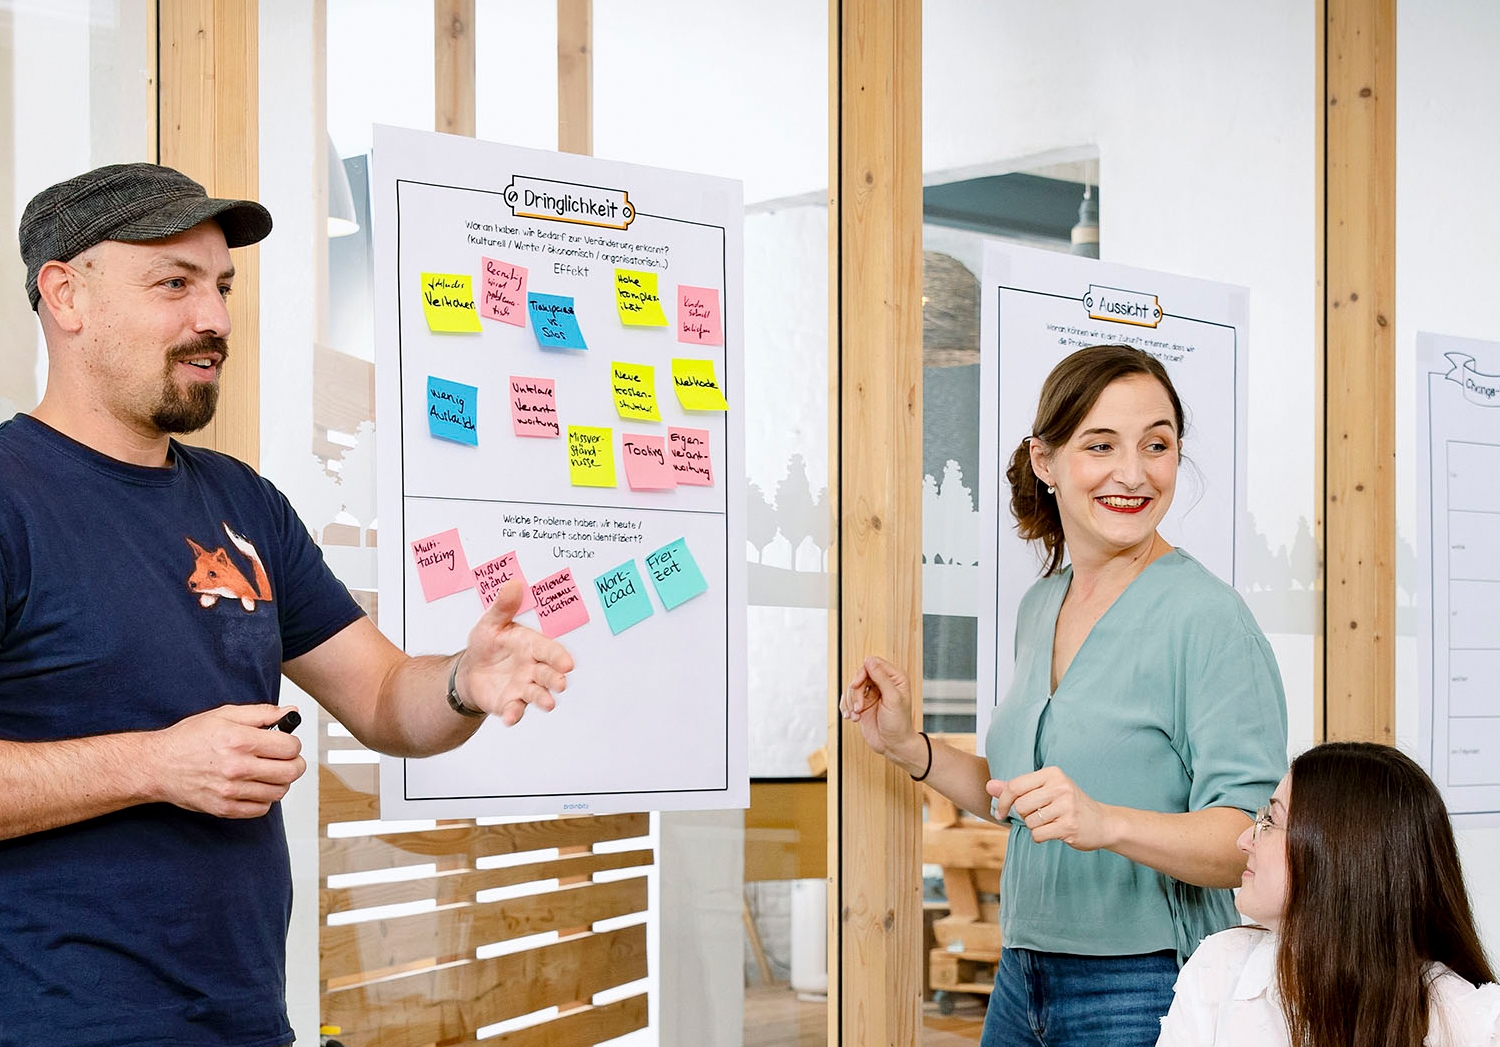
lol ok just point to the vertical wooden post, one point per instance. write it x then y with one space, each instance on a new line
1359 292
876 336
575 76
453 66
208 128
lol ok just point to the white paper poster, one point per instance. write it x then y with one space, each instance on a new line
559 385
1458 556
1039 306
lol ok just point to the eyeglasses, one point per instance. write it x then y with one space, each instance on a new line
1262 824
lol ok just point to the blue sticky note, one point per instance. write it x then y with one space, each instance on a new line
452 411
553 321
623 595
675 574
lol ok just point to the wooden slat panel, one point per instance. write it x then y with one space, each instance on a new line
461 885
455 932
451 1002
453 66
581 1028
575 76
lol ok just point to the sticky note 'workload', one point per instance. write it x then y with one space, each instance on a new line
623 597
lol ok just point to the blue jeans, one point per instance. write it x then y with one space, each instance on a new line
1044 999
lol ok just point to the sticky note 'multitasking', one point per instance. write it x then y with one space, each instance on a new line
442 567
453 411
635 391
591 456
559 604
699 321
491 575
637 299
691 462
646 465
623 596
502 291
697 388
675 574
448 303
554 321
533 407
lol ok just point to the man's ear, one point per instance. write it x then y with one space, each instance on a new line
62 290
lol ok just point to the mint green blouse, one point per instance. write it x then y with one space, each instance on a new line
1173 703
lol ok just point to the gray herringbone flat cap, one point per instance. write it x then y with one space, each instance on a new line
131 202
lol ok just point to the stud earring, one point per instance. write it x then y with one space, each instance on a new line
1051 489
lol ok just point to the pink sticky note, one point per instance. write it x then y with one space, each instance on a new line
646 464
490 576
533 407
699 320
559 604
442 567
502 294
691 462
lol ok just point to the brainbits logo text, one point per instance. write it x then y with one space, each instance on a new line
1125 307
569 202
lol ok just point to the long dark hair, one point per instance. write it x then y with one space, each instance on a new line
1374 894
1068 395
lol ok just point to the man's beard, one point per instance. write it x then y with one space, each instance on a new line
187 411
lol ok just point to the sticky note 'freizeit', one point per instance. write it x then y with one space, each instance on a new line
554 322
533 407
453 411
559 604
637 300
698 318
635 391
675 574
502 291
448 303
591 456
689 455
623 596
441 566
646 465
490 576
697 388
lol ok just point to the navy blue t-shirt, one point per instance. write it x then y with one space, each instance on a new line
133 597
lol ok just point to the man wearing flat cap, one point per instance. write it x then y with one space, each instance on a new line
151 596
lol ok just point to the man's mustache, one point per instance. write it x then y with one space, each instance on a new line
209 343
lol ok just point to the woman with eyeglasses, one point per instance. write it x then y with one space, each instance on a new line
1365 937
1145 720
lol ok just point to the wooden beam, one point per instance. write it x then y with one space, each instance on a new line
453 66
575 76
208 128
876 341
1359 292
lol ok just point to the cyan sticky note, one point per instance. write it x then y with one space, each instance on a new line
452 411
675 574
554 322
623 596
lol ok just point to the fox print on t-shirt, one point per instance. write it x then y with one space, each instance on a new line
215 575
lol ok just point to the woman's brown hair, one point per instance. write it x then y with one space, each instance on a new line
1375 893
1068 395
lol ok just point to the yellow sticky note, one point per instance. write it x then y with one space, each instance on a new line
635 391
697 388
637 299
591 456
448 302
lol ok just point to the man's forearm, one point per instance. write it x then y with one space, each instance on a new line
413 715
51 784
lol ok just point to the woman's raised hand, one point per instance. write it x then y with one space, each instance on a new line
879 700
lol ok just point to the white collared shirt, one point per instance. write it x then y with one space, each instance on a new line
1226 997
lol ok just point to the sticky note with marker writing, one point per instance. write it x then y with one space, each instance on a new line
533 407
492 574
697 388
646 465
699 320
554 321
502 291
448 303
623 597
691 462
635 391
591 456
559 604
442 567
637 300
453 411
675 574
